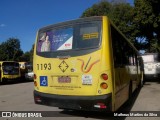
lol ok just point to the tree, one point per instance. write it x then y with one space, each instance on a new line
31 53
120 12
139 23
3 55
27 56
122 15
147 21
10 50
102 8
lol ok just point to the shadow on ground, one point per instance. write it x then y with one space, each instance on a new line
124 109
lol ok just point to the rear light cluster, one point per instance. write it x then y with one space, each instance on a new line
104 77
100 105
35 76
38 99
35 82
104 85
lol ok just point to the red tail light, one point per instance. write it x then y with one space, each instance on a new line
35 77
35 83
100 105
38 99
104 76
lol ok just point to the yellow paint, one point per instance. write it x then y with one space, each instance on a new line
100 61
8 76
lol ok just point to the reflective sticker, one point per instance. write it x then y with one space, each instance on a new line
87 79
43 81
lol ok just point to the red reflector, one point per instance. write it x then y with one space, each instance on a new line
100 105
103 106
104 76
104 85
35 77
35 83
38 99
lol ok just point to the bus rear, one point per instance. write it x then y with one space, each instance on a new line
151 65
9 70
72 65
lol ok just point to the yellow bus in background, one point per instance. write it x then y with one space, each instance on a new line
23 69
9 70
85 64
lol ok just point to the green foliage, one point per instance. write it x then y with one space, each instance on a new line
147 21
31 53
121 15
27 56
10 50
102 8
120 12
140 23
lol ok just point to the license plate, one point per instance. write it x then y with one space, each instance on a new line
64 79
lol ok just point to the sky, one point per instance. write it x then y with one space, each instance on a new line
22 18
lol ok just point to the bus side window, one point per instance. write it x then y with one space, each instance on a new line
125 51
117 51
122 50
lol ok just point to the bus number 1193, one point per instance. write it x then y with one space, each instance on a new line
45 66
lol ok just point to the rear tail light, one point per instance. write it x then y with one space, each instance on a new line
35 77
38 99
104 76
100 105
35 83
104 85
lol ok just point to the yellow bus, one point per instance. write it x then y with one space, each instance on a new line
9 70
23 69
85 64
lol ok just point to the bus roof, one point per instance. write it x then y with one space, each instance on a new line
86 19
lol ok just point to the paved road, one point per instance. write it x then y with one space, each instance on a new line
19 97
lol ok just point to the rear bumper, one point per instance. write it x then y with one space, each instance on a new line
88 103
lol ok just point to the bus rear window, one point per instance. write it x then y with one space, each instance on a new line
78 36
88 37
